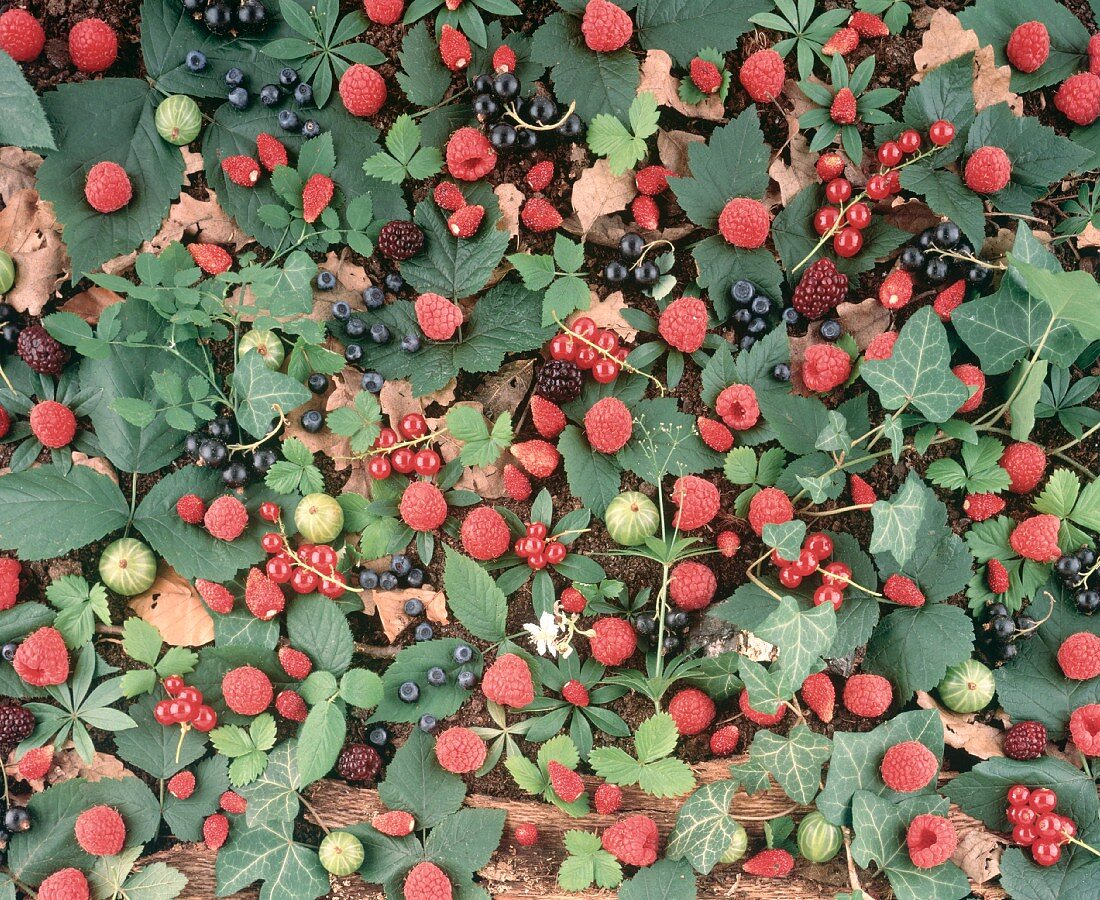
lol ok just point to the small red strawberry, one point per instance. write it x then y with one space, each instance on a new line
464 223
843 42
454 49
547 417
271 151
770 864
540 175
996 576
241 170
448 196
539 215
868 25
705 75
316 196
645 212
820 695
504 59
653 180
843 108
714 434
211 258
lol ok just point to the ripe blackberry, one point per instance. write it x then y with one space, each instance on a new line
559 381
16 723
400 240
1025 740
40 351
358 762
820 290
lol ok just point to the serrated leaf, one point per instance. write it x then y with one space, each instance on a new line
704 828
416 783
474 598
795 760
915 647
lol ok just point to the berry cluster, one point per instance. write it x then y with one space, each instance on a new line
676 629
520 124
401 574
437 677
218 446
588 349
835 576
941 255
184 707
271 95
631 264
222 18
1036 825
395 451
539 550
356 330
312 567
1074 571
999 636
754 314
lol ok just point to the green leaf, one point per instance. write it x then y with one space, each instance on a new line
474 597
263 393
587 863
268 852
915 647
411 664
273 795
422 77
665 441
317 627
801 636
594 478
664 880
624 145
897 520
1071 296
465 840
1072 876
22 121
185 817
681 27
704 828
417 783
361 688
361 422
795 760
319 741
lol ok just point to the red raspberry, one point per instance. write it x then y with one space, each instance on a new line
980 507
459 750
485 534
547 417
232 802
896 290
100 831
211 258
728 543
608 425
1078 98
191 508
632 841
755 715
504 60
843 108
538 458
437 316
972 377
762 75
21 35
705 75
465 222
470 156
263 597
426 881
53 424
508 682
653 180
820 290
182 785
540 175
908 766
1026 465
868 695
692 585
316 196
645 212
988 170
36 763
608 799
605 26
683 324
454 49
271 151
384 12
107 187
295 663
948 299
996 576
362 90
42 658
290 705
692 711
769 507
215 830
448 196
745 223
247 690
824 367
5 422
1025 740
724 741
1094 54
931 840
881 346
573 601
613 641
243 171
868 25
862 493
10 570
1079 656
738 407
423 507
215 596
843 42
714 434
819 695
697 501
575 693
830 165
539 215
226 518
770 864
1028 46
65 884
1084 728
566 783
1037 538
397 823
93 45
516 484
903 591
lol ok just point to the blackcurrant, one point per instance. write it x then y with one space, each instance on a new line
631 246
312 420
947 235
506 85
615 271
647 274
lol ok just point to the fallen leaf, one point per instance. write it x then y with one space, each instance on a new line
103 766
17 171
204 220
398 400
30 233
192 161
90 304
945 40
964 732
863 321
390 606
991 83
798 171
1090 237
174 607
911 215
510 198
672 149
607 314
597 193
978 854
98 463
505 390
657 79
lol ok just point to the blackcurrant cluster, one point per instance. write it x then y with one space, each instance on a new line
941 255
676 628
401 574
631 266
1000 635
11 324
520 123
229 18
1075 571
271 95
755 314
211 447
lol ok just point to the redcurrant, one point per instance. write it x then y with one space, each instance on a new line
820 545
607 341
848 242
836 574
1046 853
838 190
858 215
537 561
379 467
1018 794
1042 800
825 218
278 569
563 347
303 581
413 426
1024 835
585 327
889 154
941 133
586 357
333 586
536 530
426 462
909 141
269 511
190 695
205 719
387 437
605 371
878 188
826 593
555 552
173 684
789 578
272 542
162 712
806 564
403 460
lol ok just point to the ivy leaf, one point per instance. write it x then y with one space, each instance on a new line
267 851
704 828
915 647
1070 296
801 636
897 520
795 760
274 794
624 145
474 597
263 393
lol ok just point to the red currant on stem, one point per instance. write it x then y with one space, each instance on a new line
605 371
563 347
403 459
858 215
1018 794
269 511
941 133
173 684
379 468
333 586
536 530
278 569
1024 835
909 141
205 719
789 578
413 426
836 574
190 695
1042 800
303 581
584 327
272 542
826 593
878 187
162 712
806 564
889 154
537 561
825 218
555 552
426 462
1046 853
820 545
838 190
607 341
848 242
387 437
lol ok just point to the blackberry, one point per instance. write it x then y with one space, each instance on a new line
358 762
16 724
1025 740
400 240
39 350
559 381
820 290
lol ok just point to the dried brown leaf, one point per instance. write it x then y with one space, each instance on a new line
30 233
510 198
672 149
657 79
964 732
978 854
98 463
597 193
174 607
203 220
505 390
607 313
18 168
390 606
864 321
90 304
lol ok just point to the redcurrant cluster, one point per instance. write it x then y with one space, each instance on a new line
537 549
603 363
835 576
395 450
184 706
1035 824
312 567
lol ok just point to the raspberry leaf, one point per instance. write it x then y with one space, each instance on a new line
587 863
465 840
666 878
915 647
185 817
474 597
22 121
681 27
410 665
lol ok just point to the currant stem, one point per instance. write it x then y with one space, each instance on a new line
515 116
244 448
621 363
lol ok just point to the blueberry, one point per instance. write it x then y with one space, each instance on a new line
757 326
647 274
355 328
483 84
414 608
428 724
373 297
782 372
387 581
312 421
742 292
746 342
238 98
394 282
196 60
372 382
436 676
303 94
341 310
326 280
415 578
288 77
791 316
506 85
423 632
400 564
761 306
8 650
353 353
368 579
463 654
831 330
631 246
234 77
317 382
615 271
742 316
410 343
912 259
17 819
310 129
379 736
409 692
379 333
270 95
467 680
288 120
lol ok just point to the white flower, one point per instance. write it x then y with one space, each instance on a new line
544 635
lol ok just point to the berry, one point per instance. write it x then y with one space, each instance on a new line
738 407
426 881
384 12
34 764
903 591
867 695
508 682
988 170
540 175
232 802
692 585
843 42
263 597
295 663
1094 54
107 187
1026 464
53 424
539 215
1084 728
21 35
362 90
454 49
459 750
504 60
692 711
820 290
247 690
470 156
215 831
485 534
182 785
1025 740
705 75
632 841
908 766
829 166
758 716
724 740
566 783
573 601
770 864
613 641
745 223
843 108
1079 656
980 507
65 884
437 316
997 576
16 724
1037 538
697 500
516 484
881 346
949 299
931 840
608 425
762 75
399 240
1078 98
972 377
422 506
896 290
714 434
769 507
651 181
868 25
211 258
290 705
271 151
243 171
100 831
226 518
547 417
215 596
608 799
605 26
448 196
1028 46
819 695
465 222
824 367
396 823
93 45
683 324
316 196
358 762
42 658
559 381
538 458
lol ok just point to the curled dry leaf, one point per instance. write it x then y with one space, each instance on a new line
17 171
98 463
504 391
89 304
672 149
511 200
608 313
397 399
978 853
203 220
1090 237
192 161
390 606
30 233
864 321
657 79
799 172
964 732
174 607
597 193
911 215
68 764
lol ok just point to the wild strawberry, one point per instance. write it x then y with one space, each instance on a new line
454 49
566 783
843 108
819 695
271 151
605 26
868 25
683 324
516 484
215 830
384 12
526 834
211 258
728 543
575 693
362 90
1078 98
539 215
829 165
464 223
1028 46
295 663
243 171
724 740
645 212
762 75
504 59
948 299
608 799
540 175
705 75
996 576
862 493
896 290
758 716
396 823
538 458
881 346
972 377
653 180
215 596
714 434
573 601
107 187
980 507
263 597
448 196
182 785
843 42
437 316
903 591
191 508
316 196
770 864
988 170
697 500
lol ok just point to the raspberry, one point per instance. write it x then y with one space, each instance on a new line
1084 728
698 502
714 434
1026 465
820 290
770 864
605 26
426 881
437 316
881 346
215 830
560 381
538 458
948 299
232 802
728 544
843 42
896 289
769 507
42 658
93 45
931 840
843 108
53 424
692 711
448 196
632 841
903 591
566 783
908 766
868 25
100 831
705 75
819 695
824 367
290 705
400 239
683 324
316 196
243 171
464 223
34 764
182 785
459 750
384 12
485 534
211 258
1078 98
762 75
755 715
980 507
65 884
547 417
724 741
988 170
540 175
573 601
263 597
5 422
10 570
454 49
972 377
862 493
829 165
1025 740
653 180
423 507
613 641
271 151
1037 538
539 215
575 693
608 425
645 212
1079 656
215 596
508 682
738 407
21 35
516 484
362 90
1028 46
470 156
358 762
504 60
527 835
692 585
397 823
868 695
226 518
191 508
1094 54
996 576
608 799
745 223
295 663
107 187
247 690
